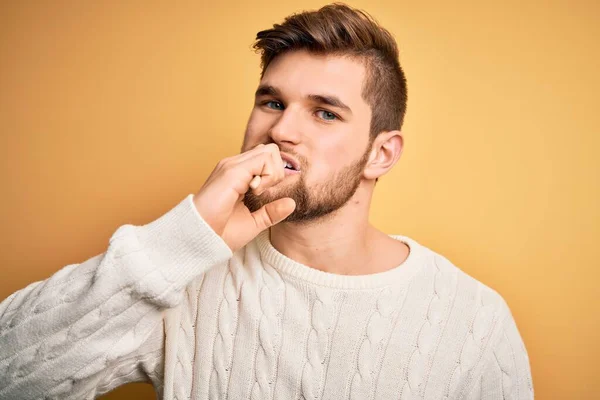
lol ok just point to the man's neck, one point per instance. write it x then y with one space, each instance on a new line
344 243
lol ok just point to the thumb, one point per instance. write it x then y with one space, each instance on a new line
273 213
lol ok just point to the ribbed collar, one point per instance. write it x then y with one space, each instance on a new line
395 276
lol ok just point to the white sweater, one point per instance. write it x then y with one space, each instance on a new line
169 303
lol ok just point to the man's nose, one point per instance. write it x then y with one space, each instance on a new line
287 128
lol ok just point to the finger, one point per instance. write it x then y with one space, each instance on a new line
273 213
261 148
276 153
278 166
273 149
255 182
276 169
261 166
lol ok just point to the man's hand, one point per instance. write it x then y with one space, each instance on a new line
219 201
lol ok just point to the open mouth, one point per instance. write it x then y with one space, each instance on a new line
288 165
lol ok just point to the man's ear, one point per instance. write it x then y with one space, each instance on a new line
385 152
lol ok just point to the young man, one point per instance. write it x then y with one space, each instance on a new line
270 282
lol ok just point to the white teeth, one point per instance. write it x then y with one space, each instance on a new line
288 165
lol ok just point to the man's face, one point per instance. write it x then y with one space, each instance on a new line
311 107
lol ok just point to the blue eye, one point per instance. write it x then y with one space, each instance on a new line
275 105
327 115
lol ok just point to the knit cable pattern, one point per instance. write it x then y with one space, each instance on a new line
134 312
474 343
477 391
271 292
186 342
318 346
502 371
64 289
40 297
419 365
224 341
506 364
375 339
49 348
508 352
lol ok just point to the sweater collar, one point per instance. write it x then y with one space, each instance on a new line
398 275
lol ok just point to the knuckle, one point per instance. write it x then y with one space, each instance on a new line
273 147
230 172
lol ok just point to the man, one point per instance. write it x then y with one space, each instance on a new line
270 282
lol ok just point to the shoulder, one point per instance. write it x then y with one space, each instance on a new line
467 291
475 314
481 334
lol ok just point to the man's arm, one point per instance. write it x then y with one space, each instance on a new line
70 335
62 337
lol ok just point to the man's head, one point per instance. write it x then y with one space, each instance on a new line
332 95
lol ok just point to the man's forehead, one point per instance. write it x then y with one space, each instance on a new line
307 73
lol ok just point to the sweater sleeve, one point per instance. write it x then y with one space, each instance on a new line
67 336
506 373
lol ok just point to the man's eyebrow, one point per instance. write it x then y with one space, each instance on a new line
329 100
266 90
333 101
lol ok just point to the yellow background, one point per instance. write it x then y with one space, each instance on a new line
111 112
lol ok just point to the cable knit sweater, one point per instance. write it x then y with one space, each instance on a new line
169 303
